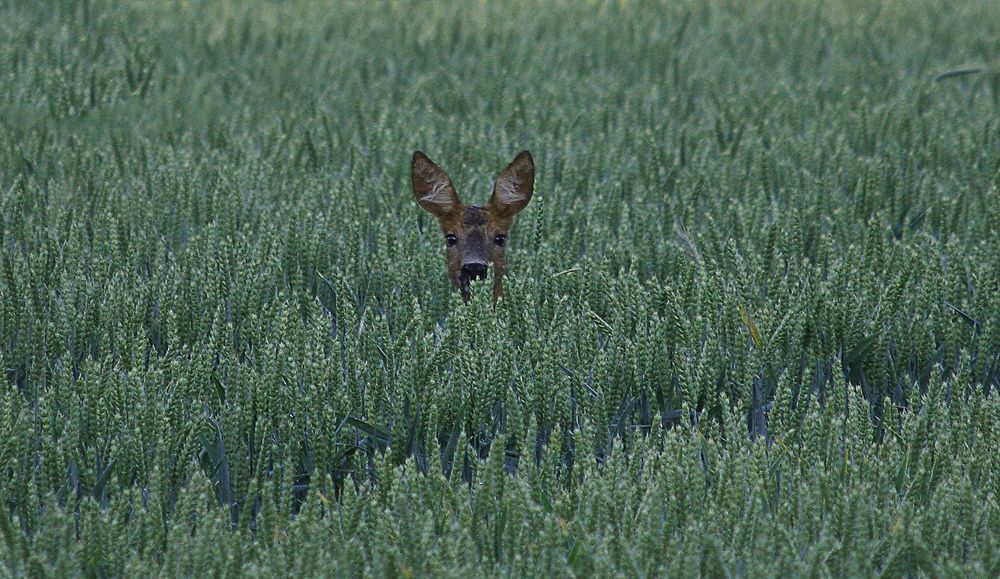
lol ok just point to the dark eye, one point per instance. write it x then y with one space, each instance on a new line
452 240
500 240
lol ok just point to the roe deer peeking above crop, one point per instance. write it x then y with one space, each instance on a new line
475 235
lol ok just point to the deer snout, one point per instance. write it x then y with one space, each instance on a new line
474 270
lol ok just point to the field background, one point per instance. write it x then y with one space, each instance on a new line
752 323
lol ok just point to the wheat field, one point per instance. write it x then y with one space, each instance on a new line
751 323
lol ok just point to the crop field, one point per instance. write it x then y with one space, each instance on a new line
750 324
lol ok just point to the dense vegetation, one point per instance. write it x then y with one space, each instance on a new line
751 322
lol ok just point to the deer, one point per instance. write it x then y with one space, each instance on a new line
475 236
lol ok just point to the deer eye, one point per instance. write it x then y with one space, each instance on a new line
500 240
452 240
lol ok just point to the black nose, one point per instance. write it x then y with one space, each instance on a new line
474 270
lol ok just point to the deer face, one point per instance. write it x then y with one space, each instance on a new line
475 236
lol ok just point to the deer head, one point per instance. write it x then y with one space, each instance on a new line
476 236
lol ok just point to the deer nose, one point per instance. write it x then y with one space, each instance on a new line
474 270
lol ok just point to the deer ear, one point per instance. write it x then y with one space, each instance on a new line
432 188
514 186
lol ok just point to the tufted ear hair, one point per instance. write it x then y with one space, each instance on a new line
432 188
514 187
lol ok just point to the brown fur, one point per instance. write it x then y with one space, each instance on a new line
476 229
